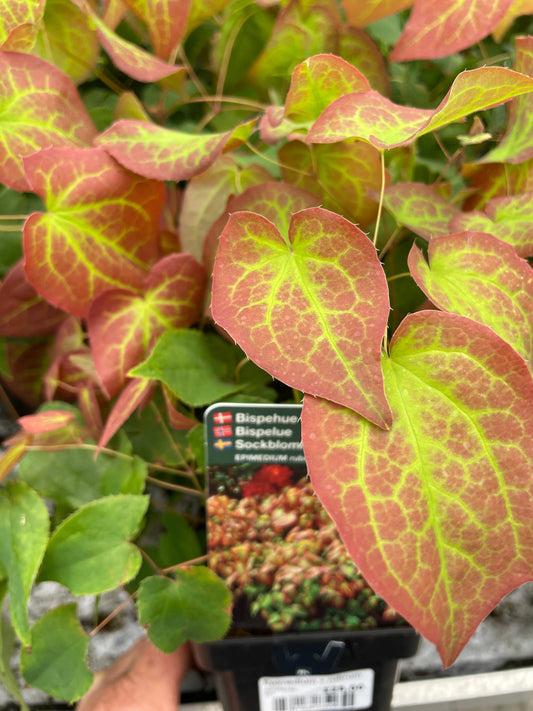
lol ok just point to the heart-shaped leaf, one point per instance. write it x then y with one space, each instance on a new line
437 511
42 108
90 552
124 325
384 124
436 30
309 306
508 218
420 208
478 276
24 527
317 82
57 660
194 606
101 226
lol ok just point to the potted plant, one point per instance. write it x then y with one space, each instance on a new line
365 252
306 627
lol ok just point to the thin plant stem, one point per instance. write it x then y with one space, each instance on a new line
112 614
398 276
174 487
388 244
13 217
193 561
381 196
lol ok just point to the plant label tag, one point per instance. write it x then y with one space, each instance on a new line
269 537
345 691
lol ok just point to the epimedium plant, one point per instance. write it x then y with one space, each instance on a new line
183 176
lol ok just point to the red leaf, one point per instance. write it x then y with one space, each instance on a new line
166 20
101 229
176 419
126 56
308 304
123 325
41 108
317 82
479 276
374 118
47 421
437 29
161 153
23 313
135 393
437 511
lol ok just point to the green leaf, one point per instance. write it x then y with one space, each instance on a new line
56 662
194 606
68 40
7 675
179 542
24 526
516 145
74 477
298 33
310 308
184 362
90 551
477 275
153 439
443 499
384 124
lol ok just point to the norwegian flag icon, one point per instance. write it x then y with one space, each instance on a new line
222 431
221 418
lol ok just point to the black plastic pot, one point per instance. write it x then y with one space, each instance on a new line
322 671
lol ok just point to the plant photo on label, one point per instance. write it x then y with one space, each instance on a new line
263 201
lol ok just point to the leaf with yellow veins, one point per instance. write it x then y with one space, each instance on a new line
437 511
309 305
